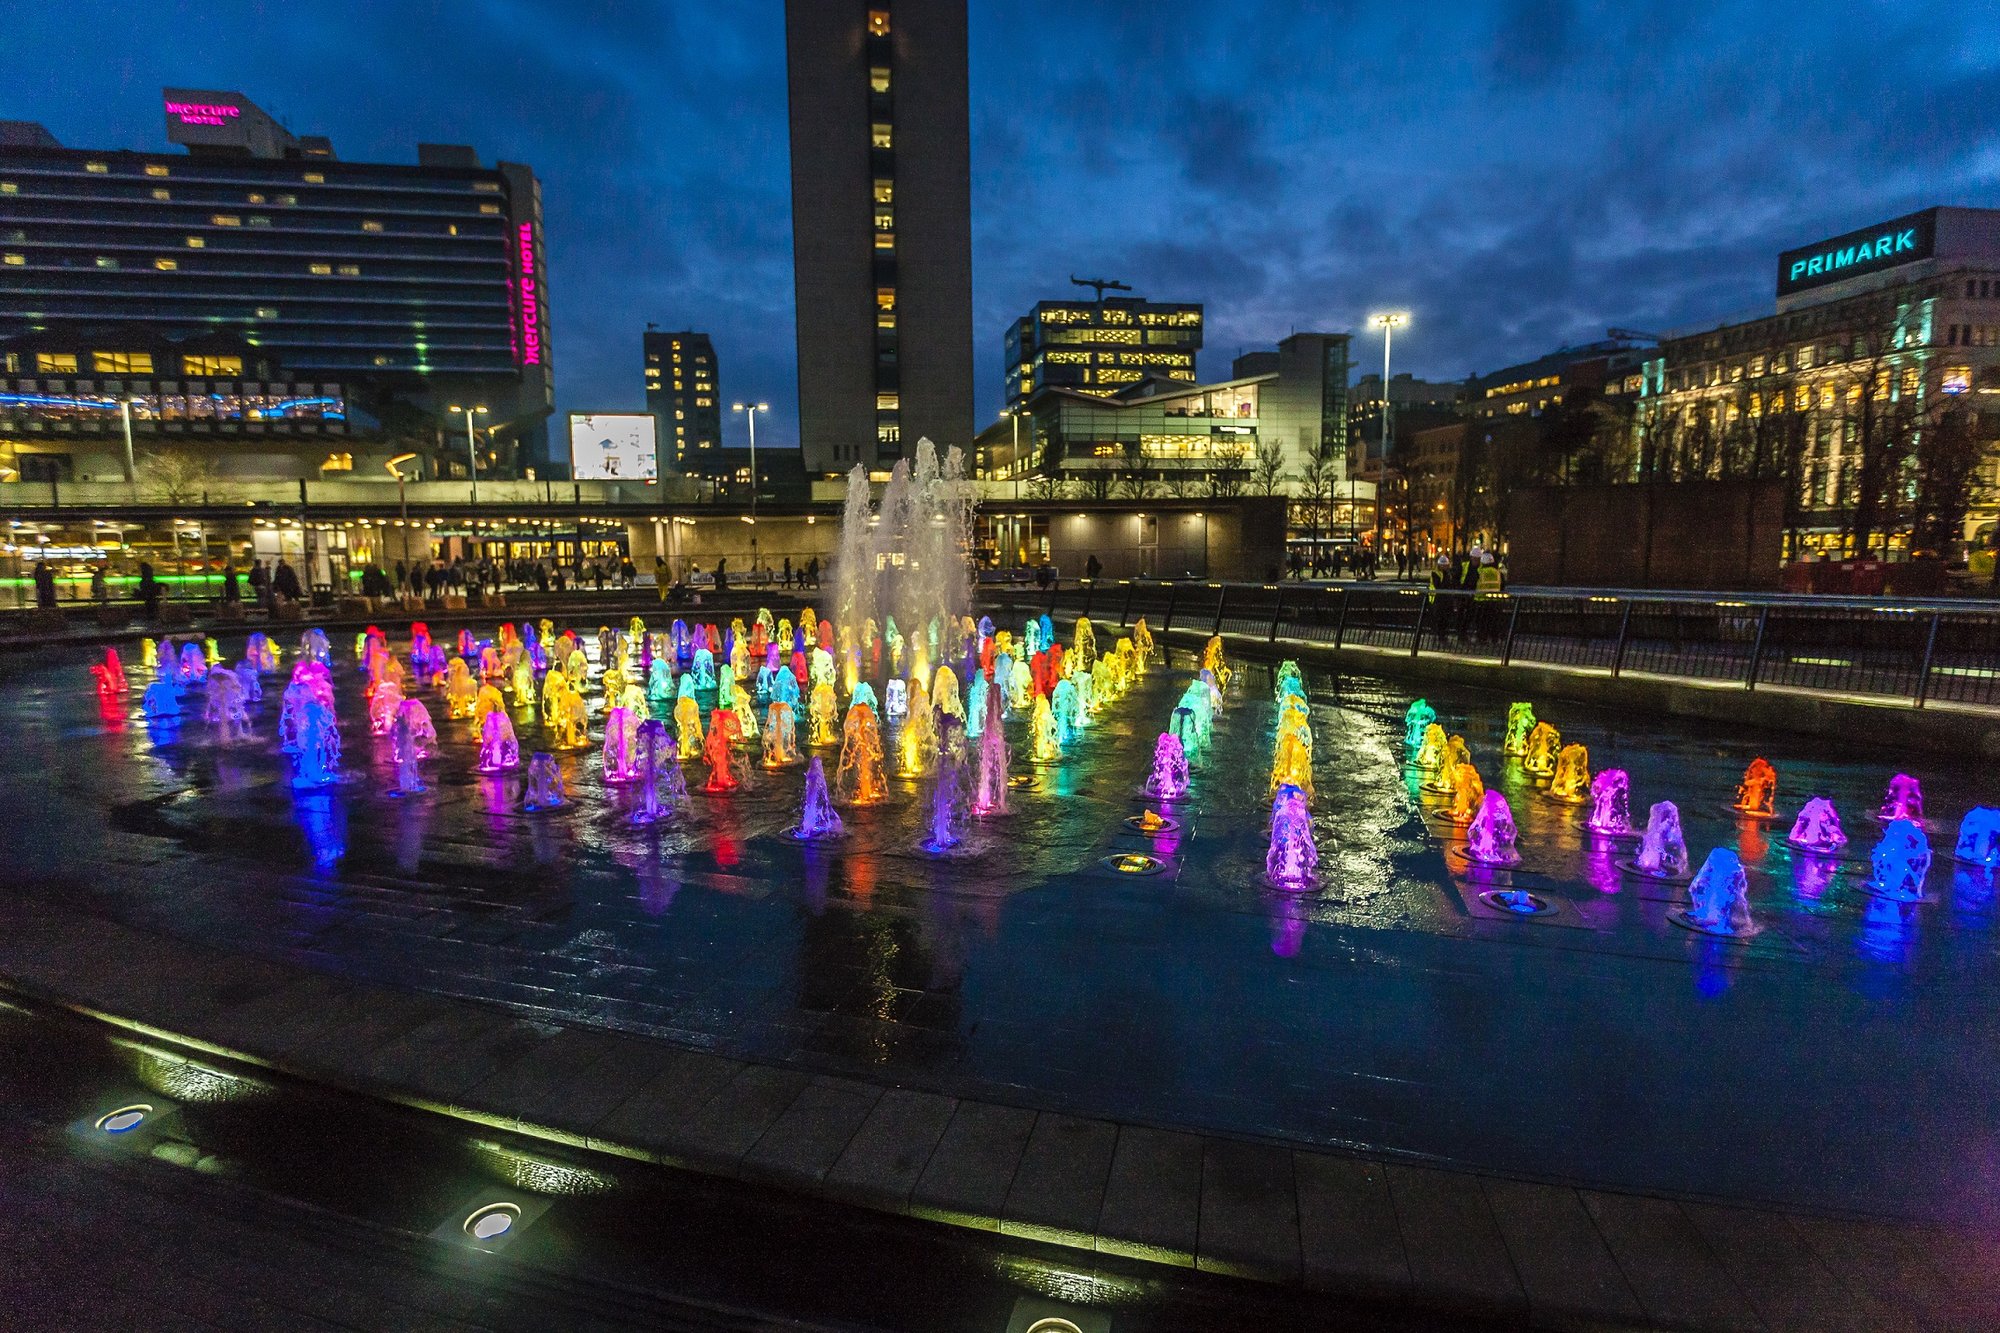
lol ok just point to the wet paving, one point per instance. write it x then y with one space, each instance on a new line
1843 1058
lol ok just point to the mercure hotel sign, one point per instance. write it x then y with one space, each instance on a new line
1902 240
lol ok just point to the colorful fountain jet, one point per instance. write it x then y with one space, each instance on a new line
1292 860
1610 804
1489 839
499 750
1900 861
1544 747
1757 794
1520 725
1663 852
818 820
1817 829
1903 800
1979 838
1718 898
719 750
1571 780
859 780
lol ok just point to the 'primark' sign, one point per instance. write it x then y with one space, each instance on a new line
1870 250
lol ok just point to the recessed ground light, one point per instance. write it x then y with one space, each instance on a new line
493 1220
124 1119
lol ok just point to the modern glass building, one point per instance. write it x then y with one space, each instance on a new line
882 227
1100 347
681 380
418 287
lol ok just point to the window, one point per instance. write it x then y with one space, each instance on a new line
370 224
885 240
320 270
122 363
878 23
253 198
267 312
225 220
156 169
212 367
885 191
451 229
885 298
878 78
163 195
259 220
314 178
56 363
486 187
96 168
491 210
106 261
704 402
9 187
288 200
166 265
888 402
350 270
195 242
881 136
1956 379
885 218
381 360
16 259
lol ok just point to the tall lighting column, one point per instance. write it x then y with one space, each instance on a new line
1388 321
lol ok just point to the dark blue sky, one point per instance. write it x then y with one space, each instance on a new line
1518 174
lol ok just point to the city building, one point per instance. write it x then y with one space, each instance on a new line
416 287
1610 369
681 390
1879 364
1259 433
1100 347
882 230
781 475
1419 405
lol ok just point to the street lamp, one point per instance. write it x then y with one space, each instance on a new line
1014 462
131 469
471 449
1388 321
750 412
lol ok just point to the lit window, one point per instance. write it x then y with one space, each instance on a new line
878 78
96 168
212 367
885 240
704 402
156 169
491 210
381 360
370 224
677 384
195 242
878 23
225 220
888 402
1957 379
885 191
288 199
56 363
451 229
885 219
885 298
9 187
320 270
679 415
486 187
163 195
253 198
122 363
16 259
881 136
259 220
267 312
350 270
166 265
106 261
314 178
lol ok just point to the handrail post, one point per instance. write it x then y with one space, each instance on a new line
1513 619
1757 648
1340 625
1423 611
1221 601
1277 614
1624 627
1930 648
1173 597
1125 616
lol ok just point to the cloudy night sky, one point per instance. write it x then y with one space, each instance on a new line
1518 174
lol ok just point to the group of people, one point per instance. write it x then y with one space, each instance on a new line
1332 562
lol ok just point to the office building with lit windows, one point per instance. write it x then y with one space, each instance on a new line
681 391
1100 347
881 227
416 287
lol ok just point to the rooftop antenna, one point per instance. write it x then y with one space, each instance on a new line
1102 285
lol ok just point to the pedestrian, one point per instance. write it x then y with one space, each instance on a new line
660 577
627 573
722 573
149 590
788 572
100 592
1298 563
260 584
45 585
285 582
1093 567
812 571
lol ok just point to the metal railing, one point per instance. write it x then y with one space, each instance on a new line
1912 652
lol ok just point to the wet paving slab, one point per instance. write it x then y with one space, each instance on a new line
1842 1059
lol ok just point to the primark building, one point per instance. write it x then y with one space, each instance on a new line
1912 303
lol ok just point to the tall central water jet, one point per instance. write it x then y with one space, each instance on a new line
907 561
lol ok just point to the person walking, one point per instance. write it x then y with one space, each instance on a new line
812 571
285 582
660 577
1093 567
232 588
100 591
149 590
45 585
788 572
722 573
260 584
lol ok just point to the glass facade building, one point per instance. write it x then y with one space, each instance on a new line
681 390
1100 347
424 283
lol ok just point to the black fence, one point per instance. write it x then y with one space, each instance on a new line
1908 652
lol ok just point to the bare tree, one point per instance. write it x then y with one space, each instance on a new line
1225 470
179 476
1267 469
1947 458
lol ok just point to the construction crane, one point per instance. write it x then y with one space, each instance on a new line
1102 285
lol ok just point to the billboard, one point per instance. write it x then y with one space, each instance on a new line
1886 245
620 446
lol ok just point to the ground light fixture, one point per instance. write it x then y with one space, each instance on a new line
1036 1314
125 1118
490 1220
